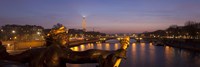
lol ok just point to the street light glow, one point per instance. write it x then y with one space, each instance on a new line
15 37
8 45
38 33
13 31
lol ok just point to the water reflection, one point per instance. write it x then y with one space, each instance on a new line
151 53
146 55
133 51
75 48
99 46
142 51
116 46
88 45
82 47
107 46
74 65
92 45
168 55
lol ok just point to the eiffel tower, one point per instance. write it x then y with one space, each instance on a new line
84 24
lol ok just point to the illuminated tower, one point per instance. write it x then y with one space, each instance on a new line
84 24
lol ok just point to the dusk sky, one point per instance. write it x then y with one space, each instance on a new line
108 16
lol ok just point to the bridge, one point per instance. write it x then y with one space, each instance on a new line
99 39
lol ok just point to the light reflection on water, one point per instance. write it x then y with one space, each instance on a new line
82 47
151 53
146 55
99 46
116 46
107 46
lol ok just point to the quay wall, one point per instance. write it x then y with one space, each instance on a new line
13 45
190 44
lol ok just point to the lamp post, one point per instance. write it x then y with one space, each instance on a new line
13 31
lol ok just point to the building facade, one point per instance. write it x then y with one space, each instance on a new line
21 32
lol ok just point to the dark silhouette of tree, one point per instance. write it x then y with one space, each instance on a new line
191 28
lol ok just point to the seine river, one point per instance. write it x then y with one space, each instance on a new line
146 55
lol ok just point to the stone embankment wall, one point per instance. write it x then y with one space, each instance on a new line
191 44
17 45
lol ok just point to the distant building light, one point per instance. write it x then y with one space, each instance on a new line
15 37
13 31
38 33
1 30
8 45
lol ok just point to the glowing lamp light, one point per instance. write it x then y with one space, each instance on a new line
15 37
38 33
13 31
8 44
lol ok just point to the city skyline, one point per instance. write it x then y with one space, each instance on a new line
114 16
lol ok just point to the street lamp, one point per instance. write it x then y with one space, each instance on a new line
38 33
15 37
13 31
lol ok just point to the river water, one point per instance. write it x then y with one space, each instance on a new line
146 55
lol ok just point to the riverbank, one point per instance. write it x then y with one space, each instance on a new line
21 45
189 44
